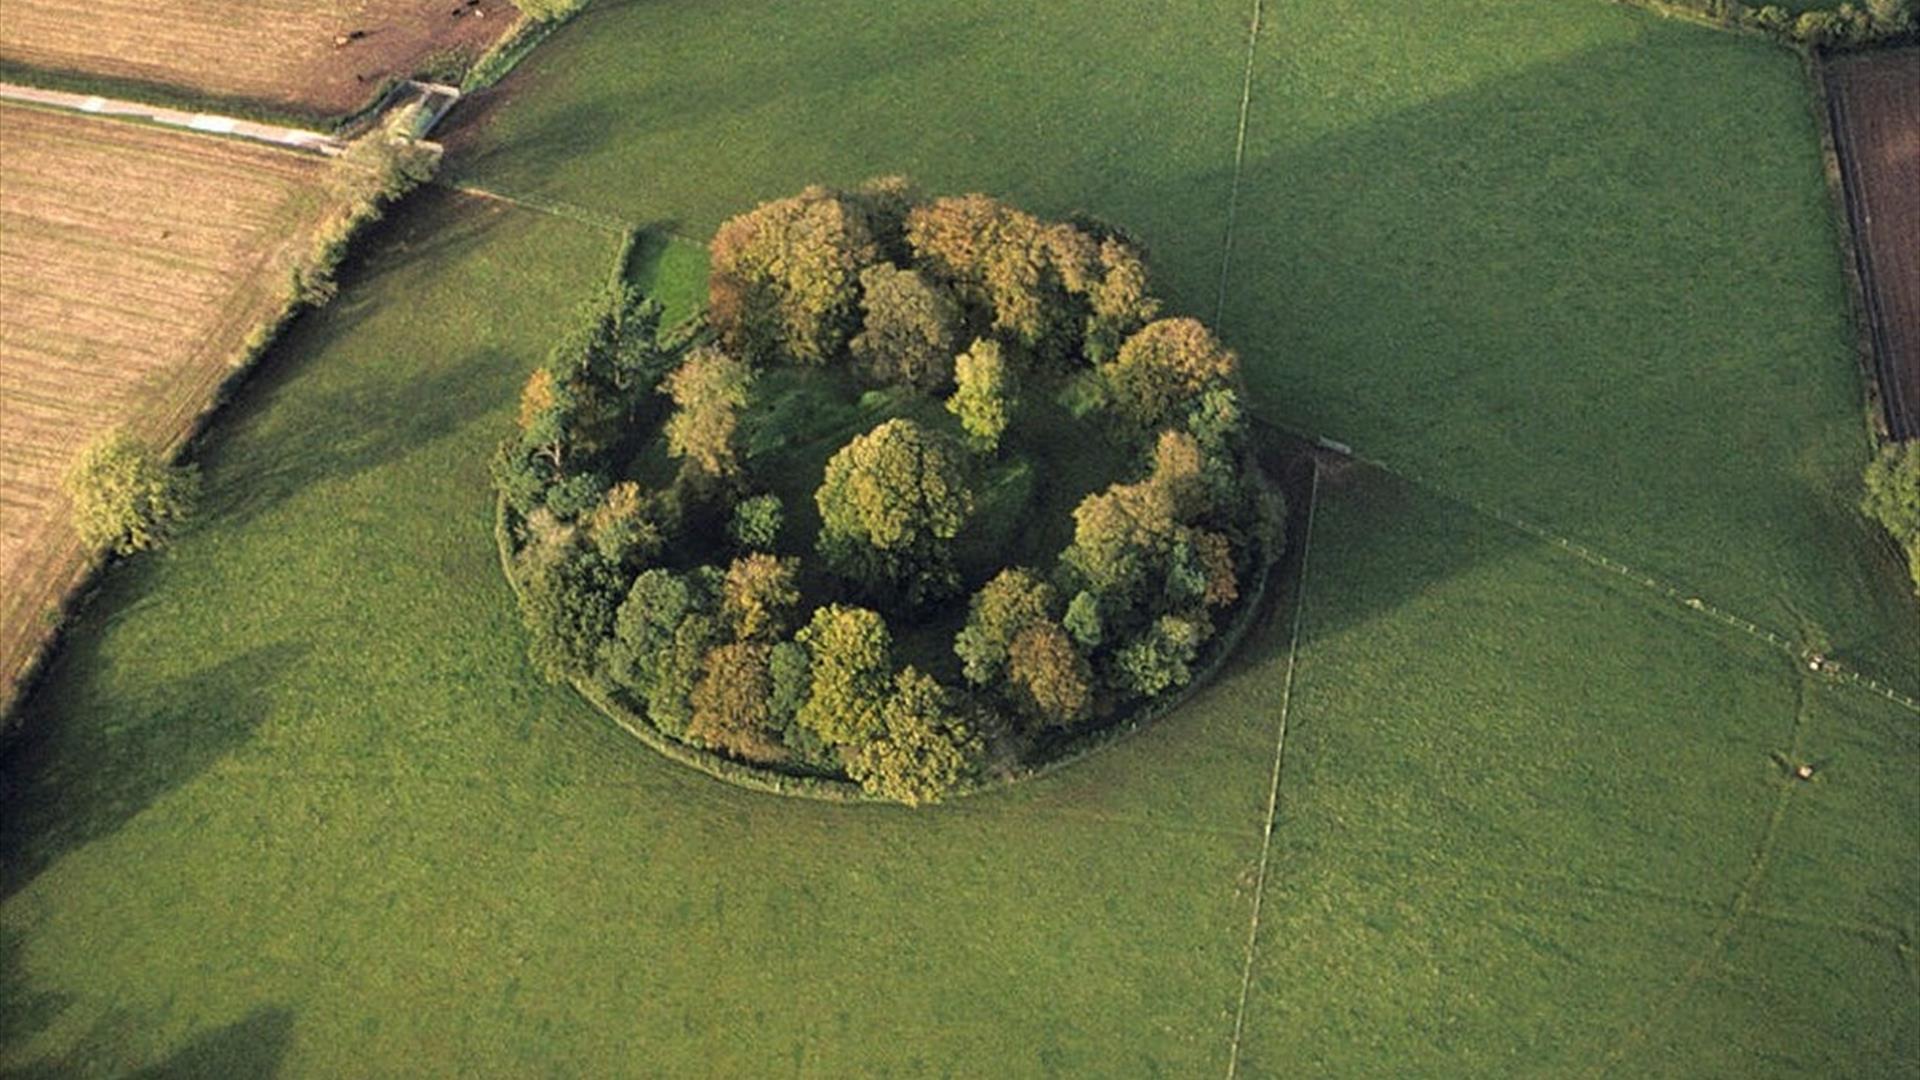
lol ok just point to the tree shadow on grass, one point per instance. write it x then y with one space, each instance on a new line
279 437
80 769
250 1048
24 1011
348 430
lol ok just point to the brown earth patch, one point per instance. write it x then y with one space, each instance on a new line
1875 103
282 54
137 261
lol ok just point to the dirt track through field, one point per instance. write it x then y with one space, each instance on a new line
274 134
1875 106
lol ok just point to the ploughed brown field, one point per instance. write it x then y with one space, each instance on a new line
281 53
134 263
1877 122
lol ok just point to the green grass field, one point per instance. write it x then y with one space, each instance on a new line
292 800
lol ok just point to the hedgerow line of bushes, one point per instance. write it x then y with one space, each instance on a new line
1842 26
963 301
128 496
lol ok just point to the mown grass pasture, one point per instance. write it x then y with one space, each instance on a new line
319 61
292 800
137 261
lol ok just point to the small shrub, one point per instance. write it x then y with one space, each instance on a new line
1892 499
756 522
125 498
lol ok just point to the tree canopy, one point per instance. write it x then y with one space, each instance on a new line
891 503
696 602
125 497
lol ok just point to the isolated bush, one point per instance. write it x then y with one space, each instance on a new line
1893 499
756 522
125 497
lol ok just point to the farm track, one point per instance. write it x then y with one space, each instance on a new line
1873 103
207 123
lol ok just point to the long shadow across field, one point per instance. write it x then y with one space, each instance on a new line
68 779
1524 295
355 425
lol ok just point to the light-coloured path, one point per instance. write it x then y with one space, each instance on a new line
296 138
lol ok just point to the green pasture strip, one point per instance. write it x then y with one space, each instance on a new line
1530 817
1593 279
292 799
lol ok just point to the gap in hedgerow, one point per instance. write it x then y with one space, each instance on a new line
931 494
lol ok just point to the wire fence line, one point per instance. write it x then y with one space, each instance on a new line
1683 597
1273 786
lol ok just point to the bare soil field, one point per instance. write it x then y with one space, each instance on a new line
281 54
1875 101
135 263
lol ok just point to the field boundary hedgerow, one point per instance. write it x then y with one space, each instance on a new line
310 285
1279 761
1840 27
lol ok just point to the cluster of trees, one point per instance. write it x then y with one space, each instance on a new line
1893 499
965 299
1844 24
